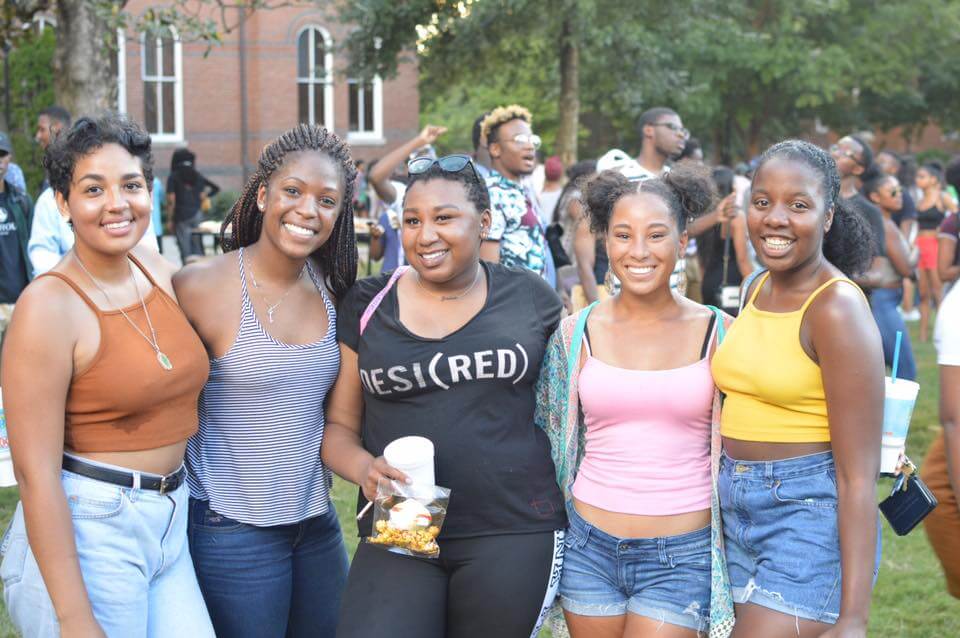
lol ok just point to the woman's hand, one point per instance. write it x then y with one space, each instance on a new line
846 629
86 627
377 469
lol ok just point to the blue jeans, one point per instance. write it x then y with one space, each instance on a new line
666 579
263 582
883 304
133 553
781 534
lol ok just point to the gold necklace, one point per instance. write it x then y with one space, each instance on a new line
452 297
162 359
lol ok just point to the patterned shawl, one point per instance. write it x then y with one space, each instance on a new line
558 412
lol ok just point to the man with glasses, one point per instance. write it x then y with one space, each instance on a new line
854 159
662 138
516 237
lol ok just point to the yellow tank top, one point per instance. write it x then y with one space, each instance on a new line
774 391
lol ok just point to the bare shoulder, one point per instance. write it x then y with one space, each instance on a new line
48 308
158 265
841 315
203 283
205 273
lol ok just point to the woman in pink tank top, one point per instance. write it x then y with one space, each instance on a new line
642 552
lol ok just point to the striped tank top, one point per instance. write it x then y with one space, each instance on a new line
256 456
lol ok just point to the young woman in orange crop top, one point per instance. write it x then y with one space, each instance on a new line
101 374
802 370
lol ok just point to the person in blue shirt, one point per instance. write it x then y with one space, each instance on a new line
156 216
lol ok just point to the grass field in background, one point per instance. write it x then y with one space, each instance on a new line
910 599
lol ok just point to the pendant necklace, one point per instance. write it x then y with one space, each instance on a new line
162 359
272 308
456 296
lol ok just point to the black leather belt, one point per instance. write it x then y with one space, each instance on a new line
162 484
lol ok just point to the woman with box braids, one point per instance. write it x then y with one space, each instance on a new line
338 256
262 526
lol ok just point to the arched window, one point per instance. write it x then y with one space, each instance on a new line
162 85
315 76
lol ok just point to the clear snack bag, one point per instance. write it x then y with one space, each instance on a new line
407 518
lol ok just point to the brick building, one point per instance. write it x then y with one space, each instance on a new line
282 68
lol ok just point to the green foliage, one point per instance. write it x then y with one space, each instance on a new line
31 91
221 203
742 74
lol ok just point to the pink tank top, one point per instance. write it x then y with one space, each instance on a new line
648 437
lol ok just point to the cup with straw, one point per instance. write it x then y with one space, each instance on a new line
900 396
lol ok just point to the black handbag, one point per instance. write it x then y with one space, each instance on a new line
910 501
553 233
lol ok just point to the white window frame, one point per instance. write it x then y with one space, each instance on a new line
374 135
177 135
121 71
311 79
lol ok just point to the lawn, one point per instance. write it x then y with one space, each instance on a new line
910 600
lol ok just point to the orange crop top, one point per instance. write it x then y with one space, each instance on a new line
124 400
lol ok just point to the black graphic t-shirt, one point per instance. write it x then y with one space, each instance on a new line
472 394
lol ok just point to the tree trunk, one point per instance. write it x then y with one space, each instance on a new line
569 87
84 63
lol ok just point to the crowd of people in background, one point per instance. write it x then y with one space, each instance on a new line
654 386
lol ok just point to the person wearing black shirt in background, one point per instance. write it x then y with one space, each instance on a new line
16 216
186 189
452 353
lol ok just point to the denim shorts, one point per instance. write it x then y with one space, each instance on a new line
781 536
134 558
666 578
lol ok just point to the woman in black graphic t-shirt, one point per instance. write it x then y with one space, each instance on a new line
451 353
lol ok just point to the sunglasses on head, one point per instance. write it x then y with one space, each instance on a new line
447 164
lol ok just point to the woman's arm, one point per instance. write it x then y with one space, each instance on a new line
37 369
212 189
738 226
897 251
585 250
851 364
950 418
947 267
379 176
342 451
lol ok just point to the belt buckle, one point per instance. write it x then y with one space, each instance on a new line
163 485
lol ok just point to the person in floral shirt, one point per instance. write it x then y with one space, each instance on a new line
515 237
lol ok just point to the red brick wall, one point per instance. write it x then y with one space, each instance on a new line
212 93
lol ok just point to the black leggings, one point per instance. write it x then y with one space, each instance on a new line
478 588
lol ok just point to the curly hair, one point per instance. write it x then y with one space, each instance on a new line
500 116
87 135
849 245
687 190
338 255
474 186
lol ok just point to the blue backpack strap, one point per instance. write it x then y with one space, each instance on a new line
745 286
574 356
721 329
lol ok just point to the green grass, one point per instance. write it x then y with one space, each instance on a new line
910 599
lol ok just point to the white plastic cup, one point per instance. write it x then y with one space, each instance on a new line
7 478
899 398
412 455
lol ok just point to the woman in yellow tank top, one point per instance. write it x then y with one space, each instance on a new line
802 370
